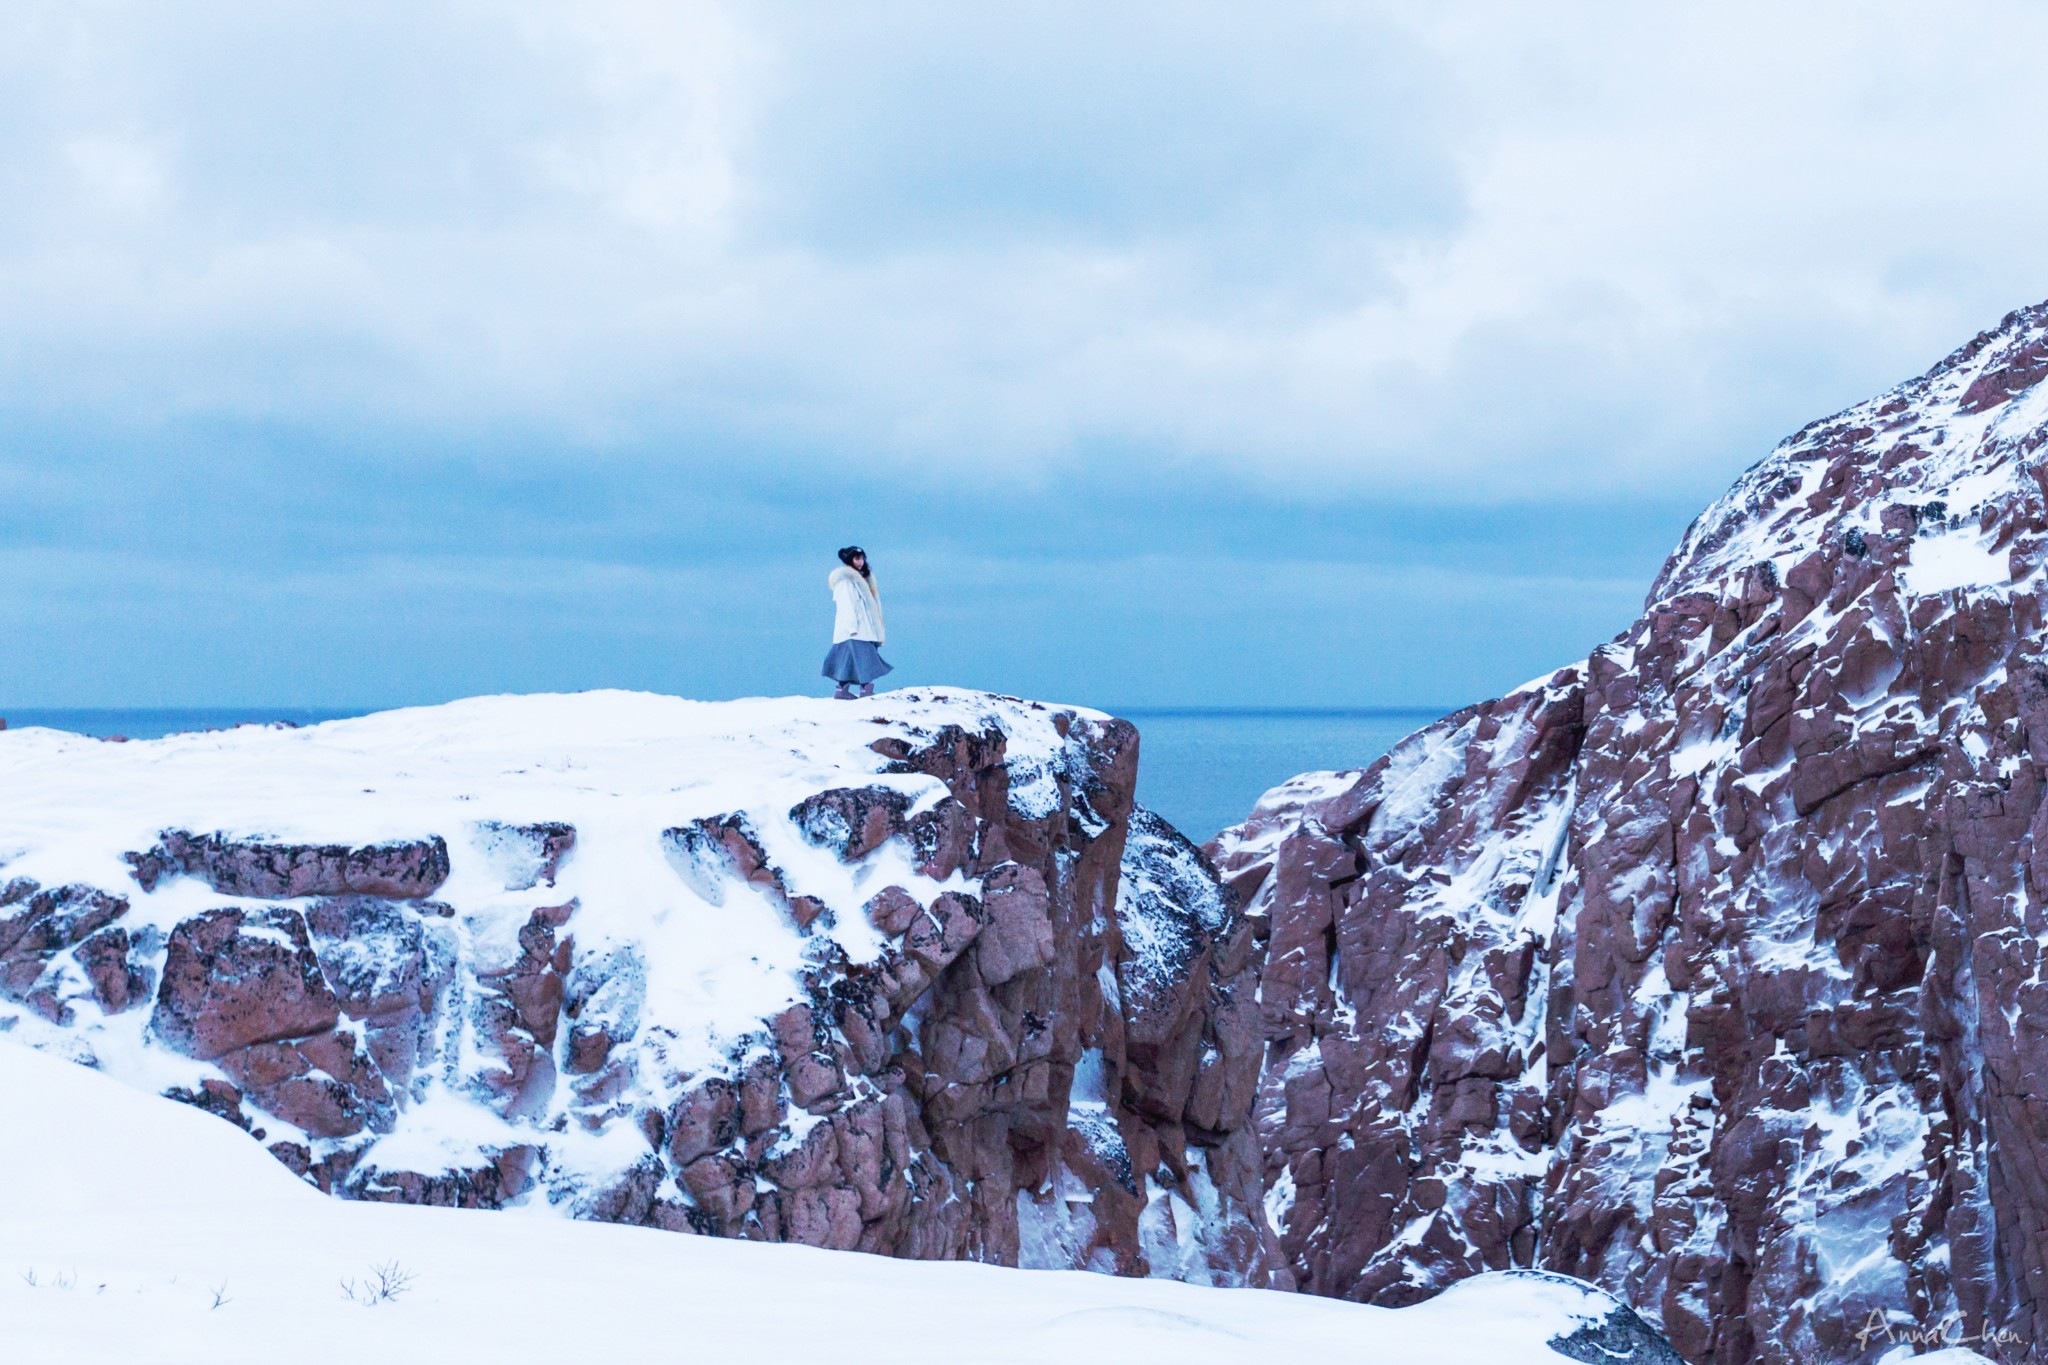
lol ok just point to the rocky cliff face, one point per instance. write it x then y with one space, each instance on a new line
1708 969
1711 969
912 977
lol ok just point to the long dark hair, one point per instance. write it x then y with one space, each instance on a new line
846 557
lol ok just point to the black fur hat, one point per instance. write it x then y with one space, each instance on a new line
846 555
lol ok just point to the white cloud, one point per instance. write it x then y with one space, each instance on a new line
1444 252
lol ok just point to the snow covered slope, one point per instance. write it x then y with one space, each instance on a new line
787 970
1711 969
206 1252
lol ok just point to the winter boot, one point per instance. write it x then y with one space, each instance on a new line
843 693
867 689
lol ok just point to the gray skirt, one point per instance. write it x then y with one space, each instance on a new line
855 661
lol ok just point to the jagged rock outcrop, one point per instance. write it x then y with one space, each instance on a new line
913 977
1406 910
1710 970
253 867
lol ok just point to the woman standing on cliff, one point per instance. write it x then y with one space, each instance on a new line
854 659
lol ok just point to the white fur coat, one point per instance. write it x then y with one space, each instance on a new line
859 604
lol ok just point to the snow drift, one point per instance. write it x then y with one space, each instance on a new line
216 1256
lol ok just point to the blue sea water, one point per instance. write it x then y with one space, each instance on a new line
156 723
1201 769
1204 770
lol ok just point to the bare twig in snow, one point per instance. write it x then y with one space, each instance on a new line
383 1284
60 1280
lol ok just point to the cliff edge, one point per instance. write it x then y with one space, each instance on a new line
909 976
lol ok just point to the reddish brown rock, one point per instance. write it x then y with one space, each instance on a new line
851 821
1707 970
705 1119
943 932
326 1085
705 850
374 955
1402 907
234 977
255 868
117 982
1018 937
601 1004
490 1186
1014 1036
217 1098
893 910
722 1189
628 1197
942 838
517 1012
39 928
388 963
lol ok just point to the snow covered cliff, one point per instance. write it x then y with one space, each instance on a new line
1710 969
893 976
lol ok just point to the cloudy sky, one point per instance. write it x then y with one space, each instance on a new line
1162 354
